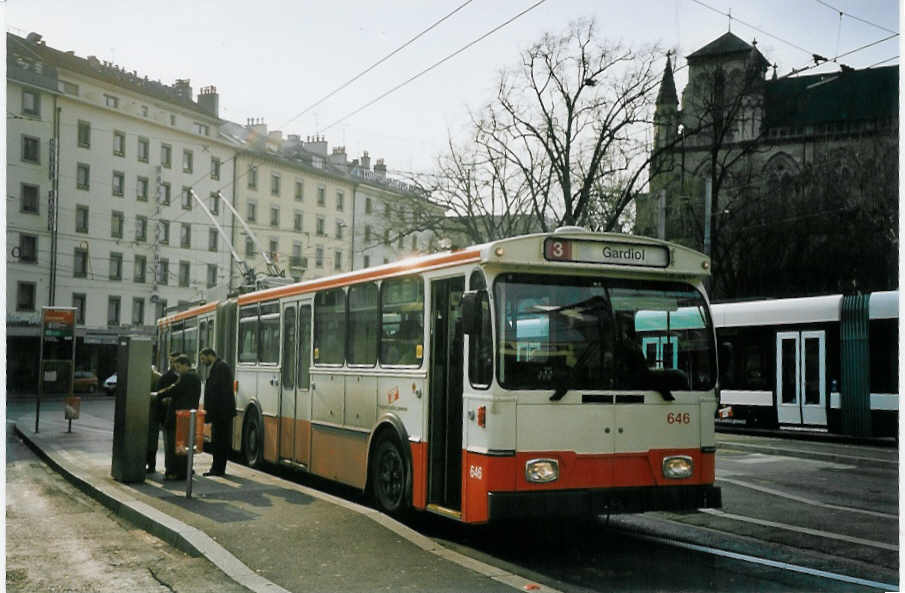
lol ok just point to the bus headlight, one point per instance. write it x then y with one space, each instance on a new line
677 467
541 471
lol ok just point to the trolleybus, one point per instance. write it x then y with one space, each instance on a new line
825 363
544 375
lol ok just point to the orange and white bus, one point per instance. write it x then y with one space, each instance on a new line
553 374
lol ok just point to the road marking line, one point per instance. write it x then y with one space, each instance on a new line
805 530
772 563
785 452
804 500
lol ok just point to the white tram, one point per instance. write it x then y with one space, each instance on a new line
826 363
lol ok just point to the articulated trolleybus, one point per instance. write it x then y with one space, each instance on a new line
543 375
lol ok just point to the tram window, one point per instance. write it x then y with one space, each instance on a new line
202 335
269 334
402 322
753 365
304 347
363 322
480 355
884 356
330 327
248 334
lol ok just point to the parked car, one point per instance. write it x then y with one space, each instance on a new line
110 384
84 381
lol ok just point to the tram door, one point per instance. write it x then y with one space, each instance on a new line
295 395
801 377
445 417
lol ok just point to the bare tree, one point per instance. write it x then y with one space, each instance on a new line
562 142
568 117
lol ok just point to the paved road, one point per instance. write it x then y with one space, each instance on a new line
58 539
785 509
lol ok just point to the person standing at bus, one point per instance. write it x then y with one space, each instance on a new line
219 408
159 411
184 395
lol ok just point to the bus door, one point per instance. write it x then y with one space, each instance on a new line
295 396
445 415
801 377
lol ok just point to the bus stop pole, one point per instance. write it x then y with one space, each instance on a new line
190 452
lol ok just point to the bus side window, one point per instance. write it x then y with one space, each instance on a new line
248 334
269 333
363 324
304 375
402 322
330 327
480 354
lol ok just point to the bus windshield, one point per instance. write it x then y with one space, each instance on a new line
572 332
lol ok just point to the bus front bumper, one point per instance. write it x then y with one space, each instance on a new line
573 503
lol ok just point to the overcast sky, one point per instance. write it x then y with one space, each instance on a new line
272 60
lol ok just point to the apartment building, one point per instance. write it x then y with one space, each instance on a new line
103 166
100 162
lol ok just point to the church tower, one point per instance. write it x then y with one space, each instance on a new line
666 113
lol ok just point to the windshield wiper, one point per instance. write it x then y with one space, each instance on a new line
559 394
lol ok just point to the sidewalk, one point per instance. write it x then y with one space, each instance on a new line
267 534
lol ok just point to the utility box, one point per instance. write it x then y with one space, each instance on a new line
130 419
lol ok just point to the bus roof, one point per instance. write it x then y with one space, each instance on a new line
526 250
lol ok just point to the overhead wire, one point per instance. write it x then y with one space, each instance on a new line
750 26
434 65
851 16
377 63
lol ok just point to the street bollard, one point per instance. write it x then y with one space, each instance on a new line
190 451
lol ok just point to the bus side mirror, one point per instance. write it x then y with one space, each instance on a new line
471 312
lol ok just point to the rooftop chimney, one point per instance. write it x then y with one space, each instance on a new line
380 169
256 125
316 144
365 161
209 101
183 87
338 156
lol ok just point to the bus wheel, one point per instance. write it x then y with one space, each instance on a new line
252 438
388 475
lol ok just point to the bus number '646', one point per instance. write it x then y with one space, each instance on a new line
678 418
476 471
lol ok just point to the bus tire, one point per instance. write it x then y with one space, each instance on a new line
389 475
253 439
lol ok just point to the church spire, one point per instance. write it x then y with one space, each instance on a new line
667 92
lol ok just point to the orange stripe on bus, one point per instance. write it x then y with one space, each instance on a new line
404 267
200 310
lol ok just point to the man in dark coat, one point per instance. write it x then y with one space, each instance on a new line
159 405
219 408
183 395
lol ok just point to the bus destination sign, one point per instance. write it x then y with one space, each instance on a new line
605 252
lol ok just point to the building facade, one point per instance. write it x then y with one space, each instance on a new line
99 213
745 153
119 192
